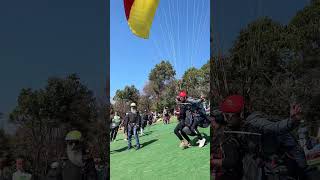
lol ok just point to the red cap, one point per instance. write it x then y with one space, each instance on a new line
232 104
183 94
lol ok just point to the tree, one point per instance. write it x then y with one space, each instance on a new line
168 96
128 94
258 68
161 75
44 116
197 81
145 103
205 79
304 29
191 82
272 65
124 97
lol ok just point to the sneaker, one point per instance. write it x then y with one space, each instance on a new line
138 147
125 139
202 142
182 144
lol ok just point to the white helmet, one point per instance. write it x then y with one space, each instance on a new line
133 105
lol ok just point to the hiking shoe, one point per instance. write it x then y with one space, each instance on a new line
202 142
182 144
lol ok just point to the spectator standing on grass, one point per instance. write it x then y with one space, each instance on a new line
166 116
133 123
115 126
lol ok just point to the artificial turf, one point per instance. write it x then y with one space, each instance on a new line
160 157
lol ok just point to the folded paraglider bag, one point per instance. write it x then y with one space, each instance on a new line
188 131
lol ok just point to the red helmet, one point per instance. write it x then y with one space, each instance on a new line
232 104
183 94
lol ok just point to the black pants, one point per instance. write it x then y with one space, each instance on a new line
179 133
114 132
194 127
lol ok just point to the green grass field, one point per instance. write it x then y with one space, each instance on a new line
160 157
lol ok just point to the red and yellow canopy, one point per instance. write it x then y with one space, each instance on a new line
140 14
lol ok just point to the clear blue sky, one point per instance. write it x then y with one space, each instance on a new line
180 33
44 38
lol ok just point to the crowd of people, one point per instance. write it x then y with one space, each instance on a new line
191 114
254 146
78 164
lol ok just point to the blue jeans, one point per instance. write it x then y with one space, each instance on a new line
133 130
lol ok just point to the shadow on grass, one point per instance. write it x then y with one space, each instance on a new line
148 142
126 147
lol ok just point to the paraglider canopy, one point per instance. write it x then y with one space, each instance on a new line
140 14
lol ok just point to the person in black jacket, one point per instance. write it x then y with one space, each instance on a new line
133 123
183 137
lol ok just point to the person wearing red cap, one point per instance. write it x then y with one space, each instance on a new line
183 137
276 134
187 107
